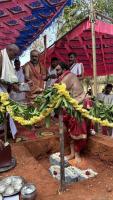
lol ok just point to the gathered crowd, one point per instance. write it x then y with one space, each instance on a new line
24 83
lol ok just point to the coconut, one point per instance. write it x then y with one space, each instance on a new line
9 191
2 188
7 181
1 198
16 180
17 187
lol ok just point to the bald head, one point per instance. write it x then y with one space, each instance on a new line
34 57
34 50
12 51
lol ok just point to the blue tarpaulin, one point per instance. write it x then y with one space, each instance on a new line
22 21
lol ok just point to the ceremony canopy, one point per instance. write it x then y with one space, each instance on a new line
79 40
22 21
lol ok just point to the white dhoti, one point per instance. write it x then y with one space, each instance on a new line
8 72
12 127
11 121
8 76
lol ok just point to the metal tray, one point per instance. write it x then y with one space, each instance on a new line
12 165
13 180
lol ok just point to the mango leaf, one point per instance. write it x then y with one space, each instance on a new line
65 103
47 121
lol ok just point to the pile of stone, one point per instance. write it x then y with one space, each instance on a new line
72 174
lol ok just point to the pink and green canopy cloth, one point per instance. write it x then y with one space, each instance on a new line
22 21
79 41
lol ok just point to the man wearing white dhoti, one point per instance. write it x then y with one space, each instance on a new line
7 74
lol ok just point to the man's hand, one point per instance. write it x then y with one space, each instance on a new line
15 87
1 144
41 90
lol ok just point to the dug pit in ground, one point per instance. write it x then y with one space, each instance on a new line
33 164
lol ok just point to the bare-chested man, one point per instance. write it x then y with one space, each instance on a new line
76 131
34 76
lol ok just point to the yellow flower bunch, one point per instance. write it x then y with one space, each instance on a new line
4 96
5 103
2 109
62 90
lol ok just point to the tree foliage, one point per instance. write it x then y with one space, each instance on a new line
74 14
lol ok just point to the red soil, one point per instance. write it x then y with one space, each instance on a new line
33 164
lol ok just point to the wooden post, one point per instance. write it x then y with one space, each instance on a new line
45 56
45 47
92 16
62 169
93 47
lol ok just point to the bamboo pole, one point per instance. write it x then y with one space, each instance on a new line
62 169
93 48
45 47
45 57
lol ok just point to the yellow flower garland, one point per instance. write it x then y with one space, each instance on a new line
62 92
34 119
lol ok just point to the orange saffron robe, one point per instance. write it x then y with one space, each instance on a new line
36 76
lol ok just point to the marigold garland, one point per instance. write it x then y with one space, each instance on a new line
62 92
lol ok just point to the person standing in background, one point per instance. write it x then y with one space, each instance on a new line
74 67
18 96
107 98
51 76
